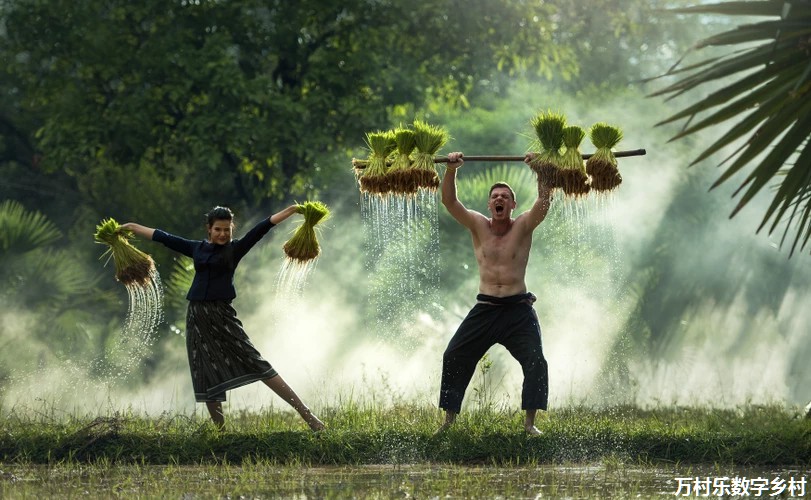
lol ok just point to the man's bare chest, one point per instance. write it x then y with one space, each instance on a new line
505 247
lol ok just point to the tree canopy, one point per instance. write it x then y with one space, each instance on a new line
248 101
242 98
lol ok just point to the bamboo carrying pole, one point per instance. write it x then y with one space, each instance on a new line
361 164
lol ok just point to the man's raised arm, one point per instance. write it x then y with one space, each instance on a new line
449 198
537 213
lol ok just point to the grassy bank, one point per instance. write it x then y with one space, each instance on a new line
357 435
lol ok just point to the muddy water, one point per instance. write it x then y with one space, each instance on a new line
410 481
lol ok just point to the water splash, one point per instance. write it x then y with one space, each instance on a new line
144 315
294 274
401 240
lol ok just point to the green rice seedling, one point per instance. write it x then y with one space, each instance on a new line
428 140
602 165
381 145
132 266
573 175
399 175
548 128
303 245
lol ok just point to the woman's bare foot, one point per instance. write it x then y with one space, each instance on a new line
442 428
316 425
450 418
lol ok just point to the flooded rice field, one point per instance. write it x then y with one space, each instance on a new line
262 480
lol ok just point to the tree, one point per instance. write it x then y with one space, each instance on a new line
766 83
243 101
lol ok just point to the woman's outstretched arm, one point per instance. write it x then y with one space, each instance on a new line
280 216
139 230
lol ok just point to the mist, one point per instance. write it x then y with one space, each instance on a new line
648 296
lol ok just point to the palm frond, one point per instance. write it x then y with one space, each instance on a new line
756 87
473 189
766 88
741 8
22 231
179 282
764 137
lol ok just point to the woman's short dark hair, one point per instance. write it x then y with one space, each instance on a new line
219 213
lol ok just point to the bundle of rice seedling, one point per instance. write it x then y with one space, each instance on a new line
303 245
602 165
373 178
132 266
428 140
400 178
574 180
549 130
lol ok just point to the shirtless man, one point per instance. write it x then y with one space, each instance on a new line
503 312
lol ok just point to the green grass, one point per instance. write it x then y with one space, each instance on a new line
361 434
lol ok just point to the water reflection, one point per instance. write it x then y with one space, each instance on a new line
604 480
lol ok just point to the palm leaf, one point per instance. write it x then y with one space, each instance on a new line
179 282
764 137
769 167
766 91
795 186
753 32
745 60
783 68
22 231
744 8
473 189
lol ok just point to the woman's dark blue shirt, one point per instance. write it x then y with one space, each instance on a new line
214 265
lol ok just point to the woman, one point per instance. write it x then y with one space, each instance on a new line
221 356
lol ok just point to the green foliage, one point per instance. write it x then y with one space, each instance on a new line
178 285
241 94
769 103
22 230
33 272
619 42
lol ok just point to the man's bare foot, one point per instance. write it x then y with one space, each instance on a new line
532 430
442 428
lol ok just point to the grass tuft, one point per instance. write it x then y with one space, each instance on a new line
602 165
132 266
303 245
547 164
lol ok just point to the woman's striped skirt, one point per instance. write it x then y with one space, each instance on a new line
221 356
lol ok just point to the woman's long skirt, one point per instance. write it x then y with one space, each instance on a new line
221 356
